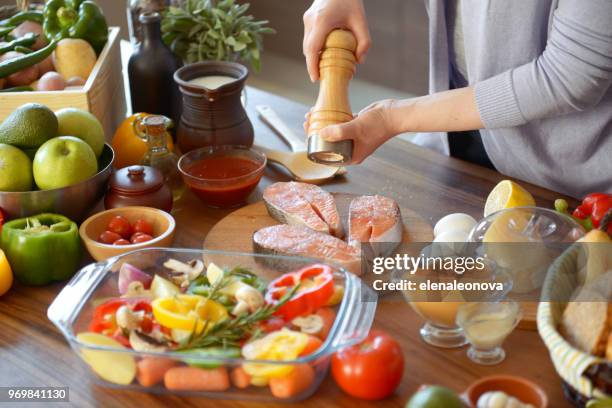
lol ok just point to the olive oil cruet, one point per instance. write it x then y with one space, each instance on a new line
154 129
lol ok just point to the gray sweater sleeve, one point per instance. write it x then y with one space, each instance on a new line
573 72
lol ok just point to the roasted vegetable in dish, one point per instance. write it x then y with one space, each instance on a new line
221 326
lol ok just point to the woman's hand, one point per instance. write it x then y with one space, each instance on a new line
322 17
369 129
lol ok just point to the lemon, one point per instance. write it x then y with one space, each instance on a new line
507 194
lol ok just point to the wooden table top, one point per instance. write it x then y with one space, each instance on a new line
34 353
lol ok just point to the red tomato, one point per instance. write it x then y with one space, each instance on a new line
121 226
109 237
143 226
121 242
139 237
371 370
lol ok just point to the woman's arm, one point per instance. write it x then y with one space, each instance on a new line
454 110
572 74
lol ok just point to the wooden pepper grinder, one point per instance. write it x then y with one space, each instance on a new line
336 68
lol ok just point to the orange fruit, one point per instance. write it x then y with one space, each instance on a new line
6 275
129 147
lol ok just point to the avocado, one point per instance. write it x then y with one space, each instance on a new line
29 126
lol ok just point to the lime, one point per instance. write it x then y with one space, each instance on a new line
507 194
435 396
15 169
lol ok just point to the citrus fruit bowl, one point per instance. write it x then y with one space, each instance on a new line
75 201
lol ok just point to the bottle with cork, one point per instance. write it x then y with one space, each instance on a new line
154 129
336 68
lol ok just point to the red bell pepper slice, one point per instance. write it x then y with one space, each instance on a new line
103 320
316 287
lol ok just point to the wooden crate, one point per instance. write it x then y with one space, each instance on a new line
103 93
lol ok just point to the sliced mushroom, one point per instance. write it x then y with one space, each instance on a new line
128 319
240 308
311 324
251 296
141 342
184 272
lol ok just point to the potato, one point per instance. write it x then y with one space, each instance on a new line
74 57
116 368
46 65
25 76
51 81
31 27
75 81
2 82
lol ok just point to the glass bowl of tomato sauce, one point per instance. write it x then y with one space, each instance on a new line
222 176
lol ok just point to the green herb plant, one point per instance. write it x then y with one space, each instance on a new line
207 30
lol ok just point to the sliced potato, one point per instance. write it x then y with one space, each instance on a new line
161 288
117 368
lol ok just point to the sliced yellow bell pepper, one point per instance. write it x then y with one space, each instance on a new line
188 312
282 345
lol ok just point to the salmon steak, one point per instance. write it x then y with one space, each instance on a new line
303 204
376 220
298 240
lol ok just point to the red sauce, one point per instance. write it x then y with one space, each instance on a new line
227 180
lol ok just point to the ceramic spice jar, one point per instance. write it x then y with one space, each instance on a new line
138 186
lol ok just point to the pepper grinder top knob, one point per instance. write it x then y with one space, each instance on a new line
336 68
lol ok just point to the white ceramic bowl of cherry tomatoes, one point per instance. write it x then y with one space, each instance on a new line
119 230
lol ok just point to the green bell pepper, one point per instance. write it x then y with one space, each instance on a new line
75 19
42 248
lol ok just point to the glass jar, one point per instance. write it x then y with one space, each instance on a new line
154 129
138 7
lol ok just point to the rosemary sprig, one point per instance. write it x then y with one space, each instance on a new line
229 332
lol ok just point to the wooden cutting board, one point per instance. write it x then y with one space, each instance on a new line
235 231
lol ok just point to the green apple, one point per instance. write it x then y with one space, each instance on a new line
63 161
81 124
15 169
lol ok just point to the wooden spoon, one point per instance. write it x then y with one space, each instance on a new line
300 167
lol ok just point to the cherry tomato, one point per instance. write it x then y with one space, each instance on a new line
109 237
121 242
371 370
139 237
121 226
2 218
143 226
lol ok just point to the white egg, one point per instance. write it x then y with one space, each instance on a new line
451 242
454 222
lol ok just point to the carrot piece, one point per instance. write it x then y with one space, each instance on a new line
240 378
313 345
298 381
151 370
196 379
329 316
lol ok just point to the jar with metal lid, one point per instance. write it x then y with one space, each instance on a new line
138 186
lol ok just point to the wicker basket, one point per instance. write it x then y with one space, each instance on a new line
584 376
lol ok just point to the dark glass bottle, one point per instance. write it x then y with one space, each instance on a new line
151 69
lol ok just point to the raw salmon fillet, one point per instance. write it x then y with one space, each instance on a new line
303 204
375 219
303 241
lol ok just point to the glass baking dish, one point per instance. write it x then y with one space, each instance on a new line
72 311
